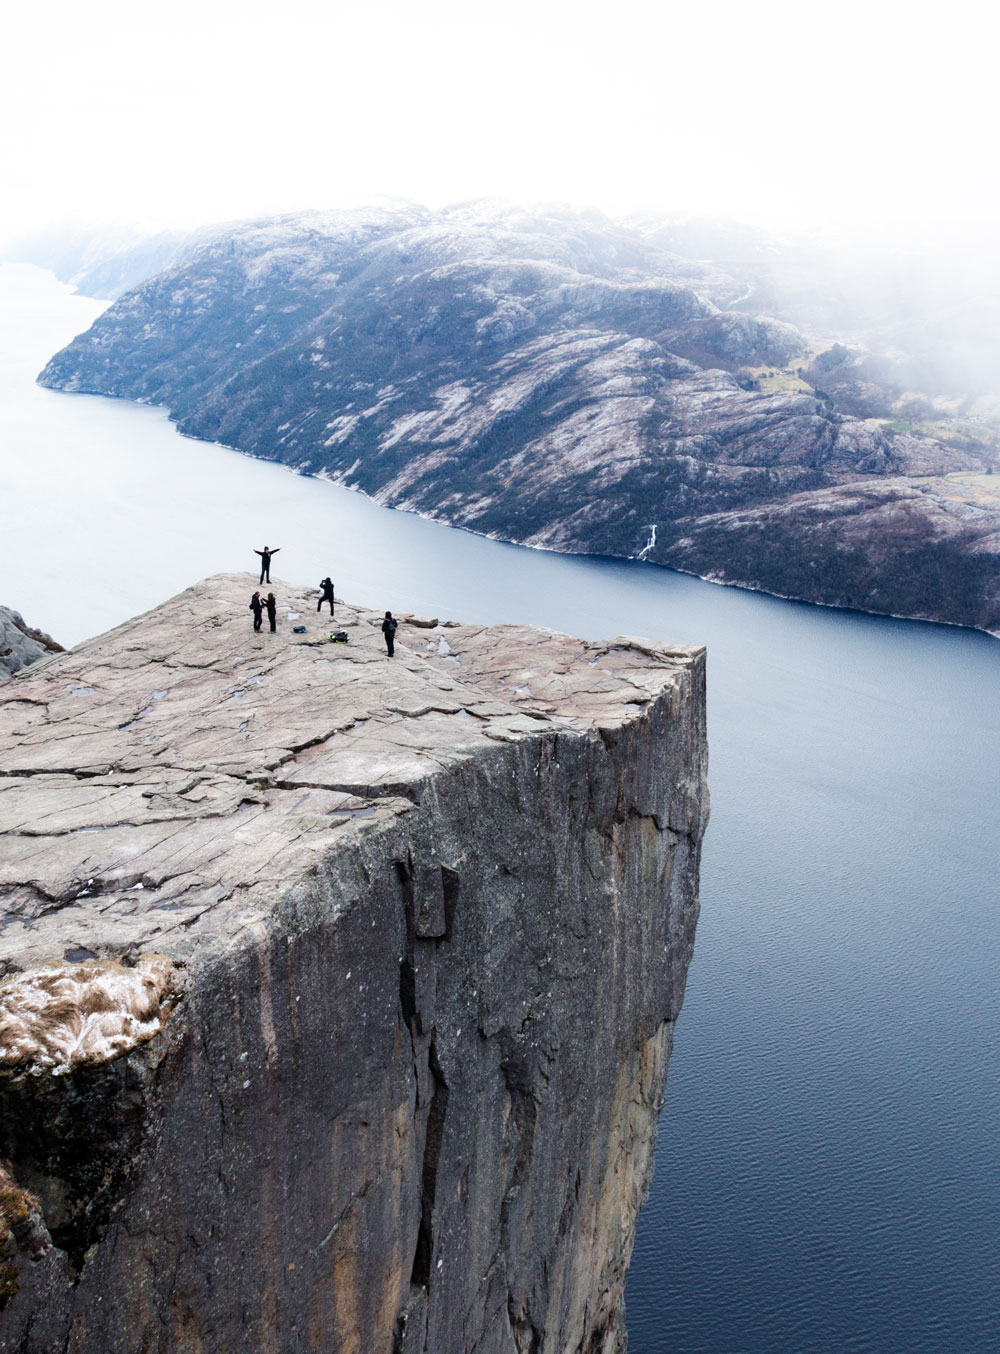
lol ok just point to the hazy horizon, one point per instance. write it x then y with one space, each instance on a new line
867 132
775 117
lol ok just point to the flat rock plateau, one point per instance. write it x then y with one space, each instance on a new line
337 991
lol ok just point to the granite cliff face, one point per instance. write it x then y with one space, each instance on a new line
21 644
338 990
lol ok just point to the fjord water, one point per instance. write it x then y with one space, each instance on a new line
827 1170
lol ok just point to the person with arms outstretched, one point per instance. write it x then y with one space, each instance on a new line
265 561
326 595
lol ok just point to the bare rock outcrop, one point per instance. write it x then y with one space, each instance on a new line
836 546
337 991
21 644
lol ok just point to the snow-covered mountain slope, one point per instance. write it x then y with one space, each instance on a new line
547 376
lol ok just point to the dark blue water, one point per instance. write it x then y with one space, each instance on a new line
827 1172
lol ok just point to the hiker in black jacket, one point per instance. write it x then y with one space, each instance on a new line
265 561
389 631
256 606
272 608
326 595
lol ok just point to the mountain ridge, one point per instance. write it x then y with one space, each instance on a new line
552 379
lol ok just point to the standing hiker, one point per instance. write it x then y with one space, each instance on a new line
265 561
272 608
389 631
326 595
256 606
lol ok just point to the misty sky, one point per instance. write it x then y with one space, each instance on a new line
781 113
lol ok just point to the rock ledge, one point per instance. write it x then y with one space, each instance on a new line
309 956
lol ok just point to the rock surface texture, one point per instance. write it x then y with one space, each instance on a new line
555 379
338 989
21 644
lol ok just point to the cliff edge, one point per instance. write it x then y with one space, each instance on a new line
338 990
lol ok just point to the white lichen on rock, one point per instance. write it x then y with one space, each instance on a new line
64 1014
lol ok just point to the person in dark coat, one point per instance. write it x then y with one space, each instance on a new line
256 606
389 631
272 610
265 561
326 595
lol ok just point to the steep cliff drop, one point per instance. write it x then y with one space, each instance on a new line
337 990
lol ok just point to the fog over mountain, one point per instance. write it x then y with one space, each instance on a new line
555 377
921 308
927 301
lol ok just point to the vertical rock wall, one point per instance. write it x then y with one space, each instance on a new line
408 1106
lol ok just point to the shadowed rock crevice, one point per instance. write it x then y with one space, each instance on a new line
73 1141
433 1143
521 1121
